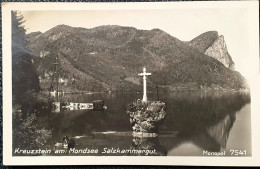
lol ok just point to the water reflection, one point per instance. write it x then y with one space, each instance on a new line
220 132
212 139
194 122
150 144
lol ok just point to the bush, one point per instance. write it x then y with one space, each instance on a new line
26 133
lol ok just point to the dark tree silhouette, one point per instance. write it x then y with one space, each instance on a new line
24 75
27 102
18 30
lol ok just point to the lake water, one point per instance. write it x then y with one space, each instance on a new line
195 122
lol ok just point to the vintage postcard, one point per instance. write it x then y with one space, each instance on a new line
173 83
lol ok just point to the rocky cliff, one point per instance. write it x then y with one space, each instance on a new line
204 41
213 45
218 50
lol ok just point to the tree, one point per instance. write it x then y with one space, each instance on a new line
27 102
24 75
18 30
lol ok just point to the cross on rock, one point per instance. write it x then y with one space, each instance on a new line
144 74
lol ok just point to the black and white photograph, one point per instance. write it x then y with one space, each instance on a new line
132 81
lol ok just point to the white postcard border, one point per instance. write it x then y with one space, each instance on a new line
253 23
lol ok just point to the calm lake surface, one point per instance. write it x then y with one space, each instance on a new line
195 122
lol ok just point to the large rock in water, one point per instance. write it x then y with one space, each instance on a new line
146 117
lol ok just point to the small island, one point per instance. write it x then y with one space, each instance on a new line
146 116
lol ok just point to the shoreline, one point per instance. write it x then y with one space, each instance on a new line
246 91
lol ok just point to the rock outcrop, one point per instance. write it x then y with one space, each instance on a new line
213 45
204 41
219 51
146 117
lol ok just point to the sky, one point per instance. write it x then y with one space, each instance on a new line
184 24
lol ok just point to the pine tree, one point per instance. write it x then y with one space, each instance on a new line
25 77
18 30
27 102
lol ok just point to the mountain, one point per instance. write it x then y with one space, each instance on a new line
204 41
211 44
108 58
218 50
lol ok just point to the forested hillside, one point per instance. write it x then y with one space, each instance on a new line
108 58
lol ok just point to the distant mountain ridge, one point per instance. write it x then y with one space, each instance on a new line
108 58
